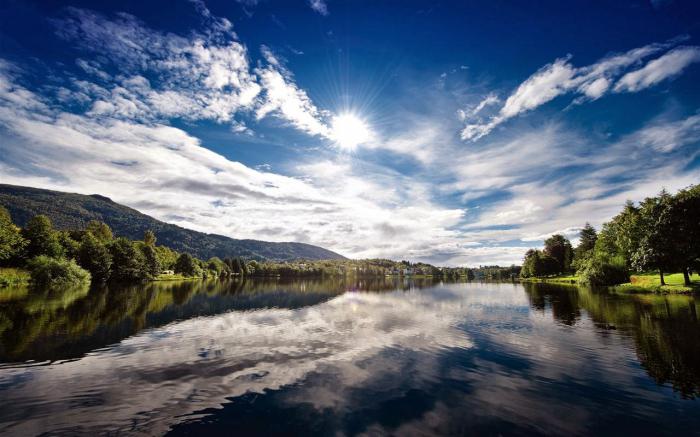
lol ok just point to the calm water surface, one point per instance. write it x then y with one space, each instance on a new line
347 358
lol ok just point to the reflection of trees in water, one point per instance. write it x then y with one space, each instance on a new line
563 301
665 328
51 325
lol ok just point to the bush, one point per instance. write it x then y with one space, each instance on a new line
54 272
600 271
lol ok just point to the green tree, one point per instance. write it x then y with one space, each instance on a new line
149 238
11 242
100 230
656 249
587 238
559 247
42 239
152 265
685 232
128 263
622 235
69 245
216 265
166 257
242 267
186 265
94 257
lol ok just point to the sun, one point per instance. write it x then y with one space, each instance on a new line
349 131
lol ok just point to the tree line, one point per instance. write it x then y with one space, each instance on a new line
61 258
661 233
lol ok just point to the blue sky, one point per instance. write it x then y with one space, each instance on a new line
458 133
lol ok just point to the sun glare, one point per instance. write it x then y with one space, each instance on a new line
349 131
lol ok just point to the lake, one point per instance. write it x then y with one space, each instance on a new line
334 357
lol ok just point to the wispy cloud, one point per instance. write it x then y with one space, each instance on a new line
319 6
667 66
283 98
589 82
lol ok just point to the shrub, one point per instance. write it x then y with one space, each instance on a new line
55 272
600 271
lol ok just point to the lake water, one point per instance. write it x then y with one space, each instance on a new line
345 358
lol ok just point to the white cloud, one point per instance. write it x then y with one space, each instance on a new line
665 67
340 204
590 82
284 98
319 6
204 76
667 136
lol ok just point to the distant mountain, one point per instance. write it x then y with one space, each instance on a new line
73 211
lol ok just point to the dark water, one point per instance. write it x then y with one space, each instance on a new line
335 358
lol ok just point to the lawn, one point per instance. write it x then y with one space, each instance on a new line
560 279
651 282
641 282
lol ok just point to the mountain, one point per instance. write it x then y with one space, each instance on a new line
73 211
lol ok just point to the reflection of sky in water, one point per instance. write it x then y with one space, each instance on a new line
450 359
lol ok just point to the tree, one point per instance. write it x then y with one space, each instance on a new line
587 238
11 242
656 248
685 213
149 238
216 265
559 247
128 263
622 235
42 239
152 265
100 230
166 257
69 245
243 269
94 257
187 266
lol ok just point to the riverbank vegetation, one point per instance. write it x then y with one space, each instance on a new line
661 234
45 257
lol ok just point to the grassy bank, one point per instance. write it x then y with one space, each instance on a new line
650 282
175 277
559 279
639 283
12 277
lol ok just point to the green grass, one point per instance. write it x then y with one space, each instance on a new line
639 283
11 277
176 277
645 282
560 279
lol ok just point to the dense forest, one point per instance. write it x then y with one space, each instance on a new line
661 233
69 211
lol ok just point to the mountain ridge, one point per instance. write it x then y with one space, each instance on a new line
73 211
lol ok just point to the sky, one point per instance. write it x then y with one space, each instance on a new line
455 133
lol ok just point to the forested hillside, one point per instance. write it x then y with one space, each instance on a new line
74 211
